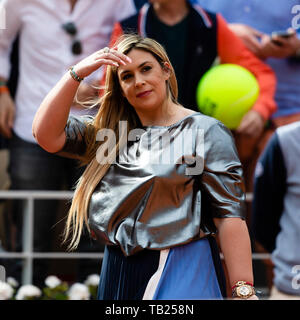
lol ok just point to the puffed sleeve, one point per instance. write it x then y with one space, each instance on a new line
221 181
75 130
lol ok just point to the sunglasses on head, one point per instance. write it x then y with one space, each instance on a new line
71 29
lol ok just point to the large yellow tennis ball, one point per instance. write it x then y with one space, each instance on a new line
227 92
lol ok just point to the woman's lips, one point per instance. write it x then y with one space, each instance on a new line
143 94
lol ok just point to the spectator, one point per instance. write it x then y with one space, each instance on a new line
156 215
254 23
276 202
204 36
53 36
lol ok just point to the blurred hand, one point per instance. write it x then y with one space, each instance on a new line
99 58
7 114
250 36
285 48
252 124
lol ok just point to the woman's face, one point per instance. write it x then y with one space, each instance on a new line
143 82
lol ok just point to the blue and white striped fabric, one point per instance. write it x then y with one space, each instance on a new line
185 272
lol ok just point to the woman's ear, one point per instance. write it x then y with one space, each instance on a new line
167 69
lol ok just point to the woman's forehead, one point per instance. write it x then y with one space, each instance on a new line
139 53
138 58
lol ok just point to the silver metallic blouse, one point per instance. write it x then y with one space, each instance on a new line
166 185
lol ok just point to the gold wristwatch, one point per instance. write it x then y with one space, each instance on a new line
243 290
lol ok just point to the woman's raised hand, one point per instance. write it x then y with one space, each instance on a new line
99 58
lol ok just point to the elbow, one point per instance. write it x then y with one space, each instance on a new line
45 141
37 133
41 140
35 128
34 132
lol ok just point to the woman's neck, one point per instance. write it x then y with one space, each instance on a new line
171 12
165 115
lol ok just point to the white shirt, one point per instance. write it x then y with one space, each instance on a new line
45 48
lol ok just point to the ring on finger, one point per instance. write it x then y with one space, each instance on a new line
106 50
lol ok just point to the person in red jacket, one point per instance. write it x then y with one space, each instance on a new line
194 39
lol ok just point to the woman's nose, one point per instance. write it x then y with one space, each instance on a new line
139 81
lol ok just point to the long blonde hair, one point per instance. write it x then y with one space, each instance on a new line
114 108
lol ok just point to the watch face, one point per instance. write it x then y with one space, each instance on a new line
244 291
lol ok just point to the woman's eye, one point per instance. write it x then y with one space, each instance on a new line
146 68
126 77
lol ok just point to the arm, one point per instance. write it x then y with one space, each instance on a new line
56 105
250 36
223 187
50 135
235 245
13 16
283 48
232 50
7 111
13 24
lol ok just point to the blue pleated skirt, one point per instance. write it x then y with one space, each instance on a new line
188 272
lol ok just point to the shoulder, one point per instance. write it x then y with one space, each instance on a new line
207 18
131 22
288 135
217 138
76 124
288 142
207 123
81 119
289 130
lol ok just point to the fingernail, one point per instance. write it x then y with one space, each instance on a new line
128 59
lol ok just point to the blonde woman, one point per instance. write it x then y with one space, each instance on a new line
157 210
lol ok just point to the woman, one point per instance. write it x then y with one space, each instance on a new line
156 216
